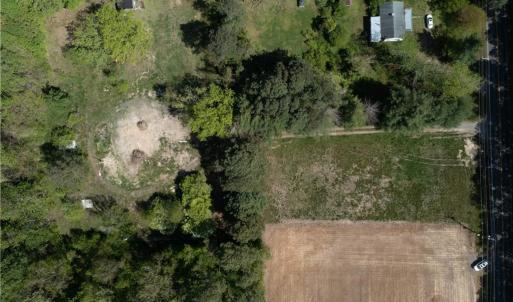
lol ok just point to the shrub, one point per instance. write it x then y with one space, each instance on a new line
196 203
213 113
109 34
164 214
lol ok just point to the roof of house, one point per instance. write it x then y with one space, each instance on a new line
375 29
392 19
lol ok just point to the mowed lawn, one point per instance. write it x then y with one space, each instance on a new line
376 176
280 24
171 57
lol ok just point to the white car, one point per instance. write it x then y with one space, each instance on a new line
480 265
429 21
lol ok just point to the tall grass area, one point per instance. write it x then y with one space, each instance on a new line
384 176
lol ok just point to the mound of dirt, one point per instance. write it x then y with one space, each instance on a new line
146 137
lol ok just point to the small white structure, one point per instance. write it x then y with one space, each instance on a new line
72 145
87 203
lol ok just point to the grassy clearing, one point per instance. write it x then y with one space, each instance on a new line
378 177
278 24
171 58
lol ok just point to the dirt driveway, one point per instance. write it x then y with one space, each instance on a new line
369 261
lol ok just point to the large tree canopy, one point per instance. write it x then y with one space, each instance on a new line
281 93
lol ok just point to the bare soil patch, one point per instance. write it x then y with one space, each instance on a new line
369 261
145 143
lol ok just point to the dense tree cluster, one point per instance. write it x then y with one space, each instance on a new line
425 93
280 93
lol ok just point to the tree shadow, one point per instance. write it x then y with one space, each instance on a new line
370 89
195 34
429 44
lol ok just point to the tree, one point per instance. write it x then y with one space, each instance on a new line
283 93
112 33
464 50
447 6
243 268
246 209
197 275
196 203
353 113
62 136
213 113
227 42
408 109
164 214
244 167
155 279
466 21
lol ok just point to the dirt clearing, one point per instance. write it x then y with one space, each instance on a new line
144 144
369 261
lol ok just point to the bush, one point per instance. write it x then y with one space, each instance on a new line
246 209
244 168
213 113
196 203
164 214
109 33
353 113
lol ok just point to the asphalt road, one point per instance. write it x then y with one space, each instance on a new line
496 133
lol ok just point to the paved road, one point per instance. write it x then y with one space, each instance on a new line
496 132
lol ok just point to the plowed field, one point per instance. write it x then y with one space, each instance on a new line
369 261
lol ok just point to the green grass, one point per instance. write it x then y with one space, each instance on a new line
278 24
172 58
378 177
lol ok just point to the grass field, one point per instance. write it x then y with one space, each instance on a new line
369 261
172 58
377 176
279 24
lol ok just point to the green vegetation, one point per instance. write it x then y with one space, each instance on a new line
240 74
196 203
286 94
111 33
275 25
164 214
213 113
380 177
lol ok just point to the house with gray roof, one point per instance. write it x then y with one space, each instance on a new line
392 23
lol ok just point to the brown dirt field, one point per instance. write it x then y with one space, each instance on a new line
369 261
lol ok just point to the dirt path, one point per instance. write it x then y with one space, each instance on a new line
465 129
369 261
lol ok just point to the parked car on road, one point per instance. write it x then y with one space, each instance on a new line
480 265
428 19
